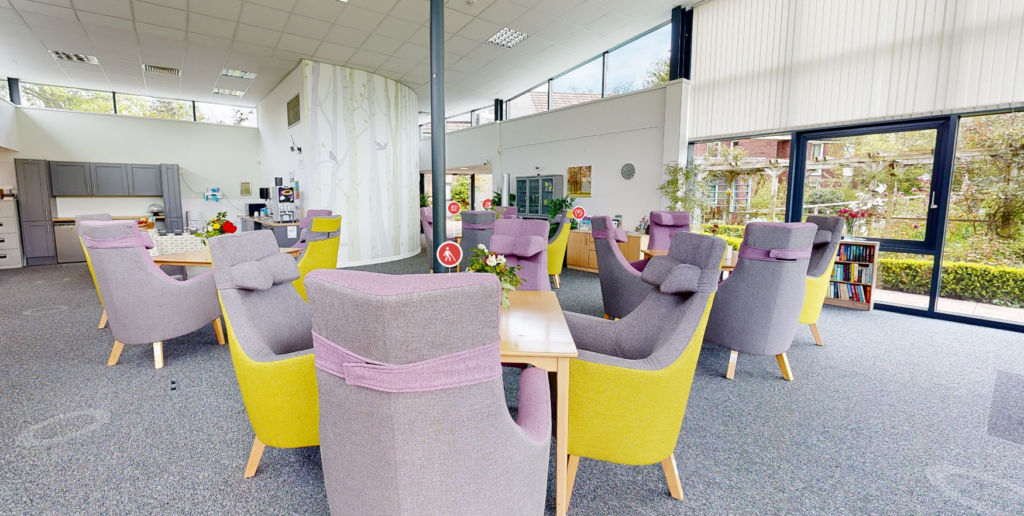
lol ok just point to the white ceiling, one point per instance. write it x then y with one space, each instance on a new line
389 37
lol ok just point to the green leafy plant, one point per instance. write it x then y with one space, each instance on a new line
557 206
686 188
496 199
424 200
485 261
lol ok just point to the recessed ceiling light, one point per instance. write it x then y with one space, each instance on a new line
71 56
507 38
232 93
162 70
238 74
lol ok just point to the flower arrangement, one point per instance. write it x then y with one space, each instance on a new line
851 215
494 263
218 225
714 229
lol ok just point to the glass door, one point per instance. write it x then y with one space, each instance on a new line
888 182
533 204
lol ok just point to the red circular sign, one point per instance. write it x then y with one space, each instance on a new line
487 204
454 208
578 213
449 254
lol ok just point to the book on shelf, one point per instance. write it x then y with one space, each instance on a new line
848 292
852 252
853 272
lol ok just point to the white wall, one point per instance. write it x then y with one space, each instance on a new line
778 65
208 155
276 160
604 134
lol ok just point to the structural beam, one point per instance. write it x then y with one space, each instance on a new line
437 121
681 44
14 90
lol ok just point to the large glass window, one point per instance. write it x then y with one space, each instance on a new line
138 105
533 101
73 99
4 92
457 122
580 85
483 116
221 114
642 63
746 179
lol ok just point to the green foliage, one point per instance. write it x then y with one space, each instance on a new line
424 200
74 99
724 230
827 196
556 206
997 285
484 261
460 191
657 72
684 188
496 199
134 105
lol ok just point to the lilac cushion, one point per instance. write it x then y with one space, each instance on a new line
668 219
523 246
616 234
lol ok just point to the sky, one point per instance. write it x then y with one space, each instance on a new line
628 63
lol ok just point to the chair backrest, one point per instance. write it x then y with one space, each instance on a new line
621 288
664 225
826 242
269 318
758 306
477 228
321 229
307 221
506 212
454 390
564 222
427 220
524 242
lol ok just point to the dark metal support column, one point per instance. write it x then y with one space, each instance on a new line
499 110
14 89
437 121
604 75
113 97
472 191
681 44
423 186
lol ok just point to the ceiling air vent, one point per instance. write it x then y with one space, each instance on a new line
162 70
238 74
231 93
71 56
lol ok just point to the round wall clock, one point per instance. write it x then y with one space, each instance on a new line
628 170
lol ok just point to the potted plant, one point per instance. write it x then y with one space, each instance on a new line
218 225
493 263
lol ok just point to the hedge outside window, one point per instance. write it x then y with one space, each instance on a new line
72 99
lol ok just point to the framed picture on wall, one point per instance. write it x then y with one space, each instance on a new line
294 113
580 181
246 189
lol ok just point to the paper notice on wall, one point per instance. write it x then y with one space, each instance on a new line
293 232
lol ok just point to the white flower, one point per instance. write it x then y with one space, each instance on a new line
501 259
491 261
481 247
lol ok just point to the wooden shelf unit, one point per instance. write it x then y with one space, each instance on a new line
580 253
854 255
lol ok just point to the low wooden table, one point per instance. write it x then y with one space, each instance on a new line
533 331
728 264
202 258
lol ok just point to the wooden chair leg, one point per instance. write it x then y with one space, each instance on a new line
219 330
158 354
254 458
606 316
672 477
817 336
115 353
558 282
103 320
784 366
731 372
570 478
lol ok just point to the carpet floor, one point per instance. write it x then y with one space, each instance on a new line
894 415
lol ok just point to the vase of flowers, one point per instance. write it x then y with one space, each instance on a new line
850 216
494 263
218 225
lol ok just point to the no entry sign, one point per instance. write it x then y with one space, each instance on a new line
487 204
578 213
454 208
449 254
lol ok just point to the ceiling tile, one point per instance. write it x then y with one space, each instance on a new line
421 37
346 36
399 66
395 28
257 35
479 30
280 5
532 45
334 52
319 9
176 4
290 56
367 59
557 7
584 14
242 60
556 31
416 11
25 6
253 49
265 17
608 23
308 27
359 18
298 44
211 26
389 74
380 44
554 53
467 65
472 9
412 52
485 53
160 15
156 30
580 39
115 8
105 21
531 22
204 39
531 65
380 6
460 45
227 9
454 21
502 12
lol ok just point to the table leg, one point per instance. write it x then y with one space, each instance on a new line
561 436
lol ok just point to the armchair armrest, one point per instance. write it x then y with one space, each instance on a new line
534 404
591 333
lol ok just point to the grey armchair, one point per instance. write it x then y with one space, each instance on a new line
413 418
756 310
130 283
819 269
477 228
622 290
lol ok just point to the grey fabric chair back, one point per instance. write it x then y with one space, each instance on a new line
757 308
621 287
97 216
133 285
826 241
477 228
269 318
564 222
425 452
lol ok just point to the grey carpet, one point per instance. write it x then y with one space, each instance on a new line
895 415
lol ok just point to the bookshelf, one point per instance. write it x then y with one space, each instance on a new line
854 275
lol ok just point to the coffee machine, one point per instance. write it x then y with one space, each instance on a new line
283 202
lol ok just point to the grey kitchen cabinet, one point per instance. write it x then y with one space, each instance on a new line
174 220
109 179
70 178
38 243
36 204
144 180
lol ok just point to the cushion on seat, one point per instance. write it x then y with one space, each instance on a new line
524 246
822 237
259 275
668 219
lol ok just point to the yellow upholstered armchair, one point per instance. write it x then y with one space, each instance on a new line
629 387
819 269
270 336
320 248
556 248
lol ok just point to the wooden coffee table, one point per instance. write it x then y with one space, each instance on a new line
533 331
202 258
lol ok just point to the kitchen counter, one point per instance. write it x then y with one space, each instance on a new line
269 221
72 219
